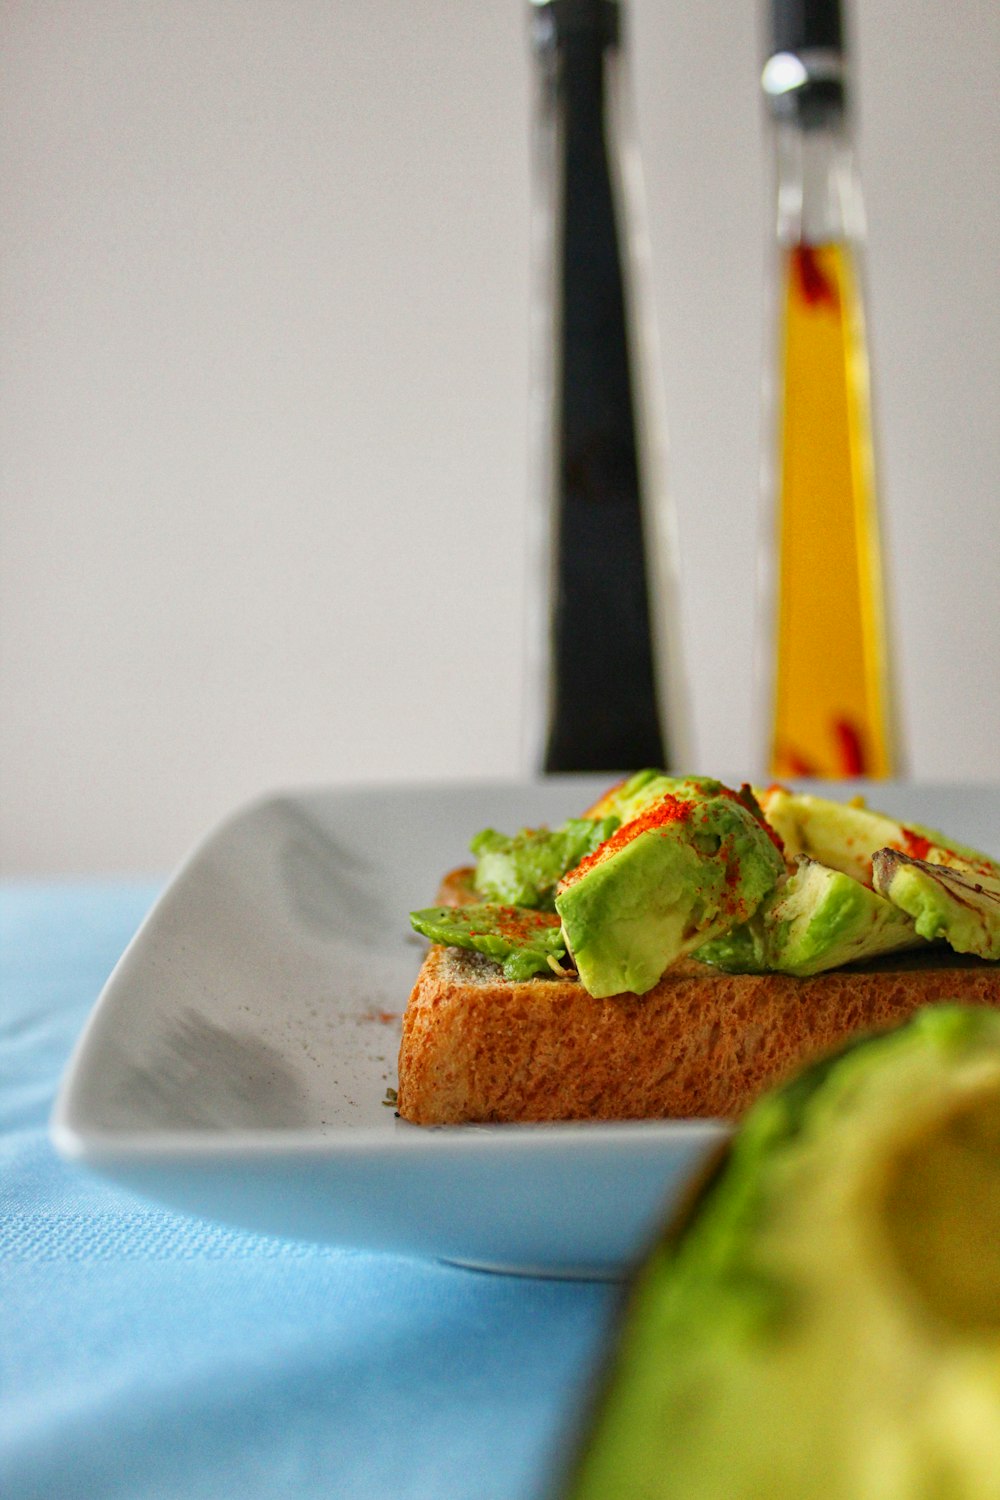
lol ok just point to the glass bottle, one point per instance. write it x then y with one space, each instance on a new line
830 705
605 688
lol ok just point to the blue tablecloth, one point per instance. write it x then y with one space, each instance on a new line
145 1354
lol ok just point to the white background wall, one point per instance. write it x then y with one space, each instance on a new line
264 415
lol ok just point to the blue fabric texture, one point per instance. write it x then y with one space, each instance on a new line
148 1355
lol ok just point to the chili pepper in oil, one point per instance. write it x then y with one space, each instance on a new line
829 691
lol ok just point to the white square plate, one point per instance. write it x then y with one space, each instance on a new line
237 1061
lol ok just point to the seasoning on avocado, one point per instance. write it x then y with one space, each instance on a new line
520 939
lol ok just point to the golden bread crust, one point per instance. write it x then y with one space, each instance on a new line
478 1048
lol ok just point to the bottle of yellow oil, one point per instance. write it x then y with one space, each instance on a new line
829 693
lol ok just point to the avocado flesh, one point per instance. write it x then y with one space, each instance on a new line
961 908
627 797
817 920
683 871
846 836
524 941
633 796
523 869
826 1325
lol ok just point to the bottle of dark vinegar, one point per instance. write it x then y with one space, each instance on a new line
607 681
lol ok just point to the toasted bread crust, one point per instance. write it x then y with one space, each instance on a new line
477 1048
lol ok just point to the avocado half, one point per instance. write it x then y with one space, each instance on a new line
825 1319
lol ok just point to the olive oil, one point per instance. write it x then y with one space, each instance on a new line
825 680
830 709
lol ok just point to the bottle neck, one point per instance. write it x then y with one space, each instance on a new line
819 199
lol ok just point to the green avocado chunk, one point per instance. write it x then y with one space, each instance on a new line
961 907
692 864
846 835
816 920
520 939
824 1322
523 869
631 797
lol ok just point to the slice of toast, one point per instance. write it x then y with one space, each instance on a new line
478 1048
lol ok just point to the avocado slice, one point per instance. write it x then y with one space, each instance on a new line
523 869
846 835
960 907
824 1324
687 868
816 920
627 799
524 941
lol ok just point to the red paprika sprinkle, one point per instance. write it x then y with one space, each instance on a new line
915 845
519 924
667 810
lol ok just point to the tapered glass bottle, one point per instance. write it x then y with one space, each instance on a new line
830 706
605 686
